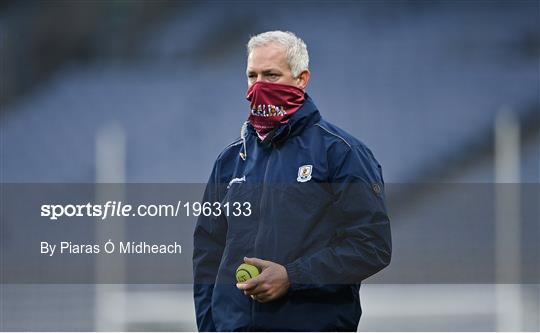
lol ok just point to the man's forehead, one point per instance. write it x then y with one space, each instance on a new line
267 57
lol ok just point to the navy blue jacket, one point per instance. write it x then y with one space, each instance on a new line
317 208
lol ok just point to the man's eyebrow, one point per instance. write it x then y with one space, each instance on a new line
265 71
272 70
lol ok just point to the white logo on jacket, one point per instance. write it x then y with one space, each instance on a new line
236 180
304 173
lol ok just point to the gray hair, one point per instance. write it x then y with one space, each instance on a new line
297 54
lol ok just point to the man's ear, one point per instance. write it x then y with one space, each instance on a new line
303 79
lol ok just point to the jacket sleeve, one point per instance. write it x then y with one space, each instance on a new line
208 245
361 245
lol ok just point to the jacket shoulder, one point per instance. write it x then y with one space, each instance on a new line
225 162
335 134
231 150
341 144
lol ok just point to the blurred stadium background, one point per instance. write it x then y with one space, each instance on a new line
443 92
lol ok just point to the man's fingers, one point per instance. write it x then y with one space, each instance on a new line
245 286
262 297
260 288
249 284
259 263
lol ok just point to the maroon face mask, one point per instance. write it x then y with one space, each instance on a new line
272 104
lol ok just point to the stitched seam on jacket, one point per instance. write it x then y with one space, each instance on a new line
334 134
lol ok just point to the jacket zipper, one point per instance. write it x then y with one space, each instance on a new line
259 227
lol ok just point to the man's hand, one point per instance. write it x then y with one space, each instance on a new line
271 284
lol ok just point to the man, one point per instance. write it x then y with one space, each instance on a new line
313 218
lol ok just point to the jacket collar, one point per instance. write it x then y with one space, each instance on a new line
306 116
